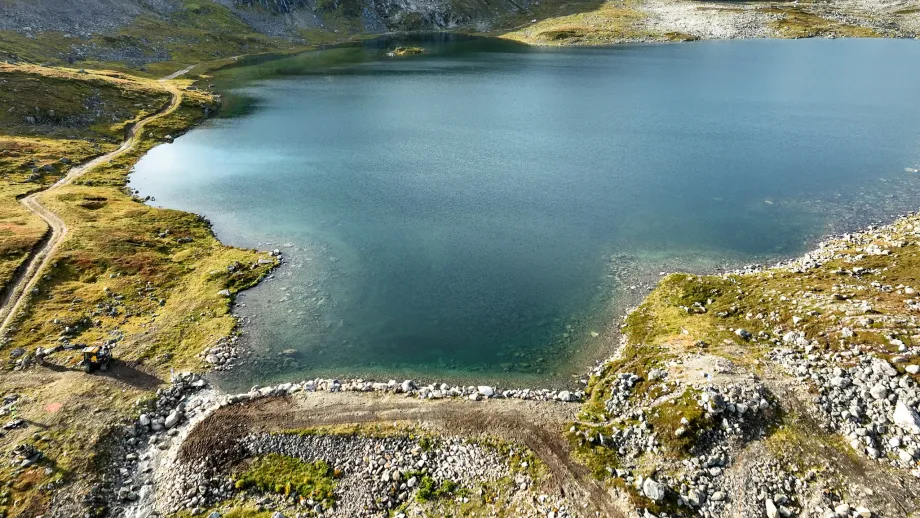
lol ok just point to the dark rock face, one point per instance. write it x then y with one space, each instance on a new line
276 6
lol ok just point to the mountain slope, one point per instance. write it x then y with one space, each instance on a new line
142 32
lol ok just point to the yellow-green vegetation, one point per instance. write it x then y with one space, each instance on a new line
610 22
276 473
374 430
231 512
520 458
793 439
428 489
665 313
405 51
447 498
797 22
153 282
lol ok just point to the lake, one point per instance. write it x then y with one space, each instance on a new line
487 211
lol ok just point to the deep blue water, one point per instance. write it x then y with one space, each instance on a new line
465 211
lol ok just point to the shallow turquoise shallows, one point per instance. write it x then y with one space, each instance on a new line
485 210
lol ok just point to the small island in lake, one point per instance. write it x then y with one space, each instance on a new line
405 51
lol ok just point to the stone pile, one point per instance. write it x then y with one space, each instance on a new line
224 355
409 388
157 428
733 414
864 398
620 391
379 474
376 474
169 407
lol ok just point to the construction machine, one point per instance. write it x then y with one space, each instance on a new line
94 357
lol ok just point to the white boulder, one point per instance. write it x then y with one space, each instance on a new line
906 418
653 489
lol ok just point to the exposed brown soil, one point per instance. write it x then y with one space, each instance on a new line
539 425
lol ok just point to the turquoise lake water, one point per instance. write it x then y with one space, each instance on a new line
482 211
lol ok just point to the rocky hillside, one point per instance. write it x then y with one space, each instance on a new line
141 32
144 34
269 17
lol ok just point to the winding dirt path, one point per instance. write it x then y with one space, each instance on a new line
22 284
539 425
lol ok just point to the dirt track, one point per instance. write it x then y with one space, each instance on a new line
25 279
539 425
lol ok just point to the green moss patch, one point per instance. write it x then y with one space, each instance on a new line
276 473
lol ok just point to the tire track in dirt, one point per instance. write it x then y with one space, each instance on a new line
540 426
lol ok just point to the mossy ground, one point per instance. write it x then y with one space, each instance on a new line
231 511
798 22
288 476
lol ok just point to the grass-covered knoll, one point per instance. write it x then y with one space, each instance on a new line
610 22
798 22
64 103
405 51
288 476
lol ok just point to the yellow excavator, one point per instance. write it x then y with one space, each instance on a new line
94 356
